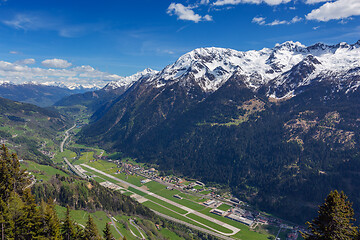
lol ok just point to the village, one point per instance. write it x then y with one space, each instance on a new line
225 205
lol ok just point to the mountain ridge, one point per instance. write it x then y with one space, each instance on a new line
211 67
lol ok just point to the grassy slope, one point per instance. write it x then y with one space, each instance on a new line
43 172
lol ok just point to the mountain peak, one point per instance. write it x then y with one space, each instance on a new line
126 82
289 45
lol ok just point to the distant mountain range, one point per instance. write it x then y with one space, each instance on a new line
38 94
47 94
93 100
279 126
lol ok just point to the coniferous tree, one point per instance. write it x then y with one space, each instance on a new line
12 178
107 232
335 220
67 228
29 223
50 223
79 232
91 232
13 210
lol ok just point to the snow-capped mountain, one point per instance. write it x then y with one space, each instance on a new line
126 82
69 86
210 68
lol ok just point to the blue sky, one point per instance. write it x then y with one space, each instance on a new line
124 37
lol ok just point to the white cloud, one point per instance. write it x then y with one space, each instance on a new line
84 75
227 2
204 2
207 17
236 2
335 10
56 63
186 13
296 19
277 22
14 52
316 1
28 61
261 21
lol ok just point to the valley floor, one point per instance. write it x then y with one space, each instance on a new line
166 200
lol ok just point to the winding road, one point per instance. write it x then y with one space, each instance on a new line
66 137
74 169
114 224
132 222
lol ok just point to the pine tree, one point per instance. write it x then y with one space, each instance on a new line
107 232
91 231
29 223
13 210
14 213
79 232
50 222
67 228
12 178
335 220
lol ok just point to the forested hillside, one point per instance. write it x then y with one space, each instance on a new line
31 131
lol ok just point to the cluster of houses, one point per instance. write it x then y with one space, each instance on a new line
48 153
236 213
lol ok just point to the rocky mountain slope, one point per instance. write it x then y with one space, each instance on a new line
269 123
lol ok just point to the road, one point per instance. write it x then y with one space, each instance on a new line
65 159
137 227
277 235
193 226
74 169
66 137
114 224
189 210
